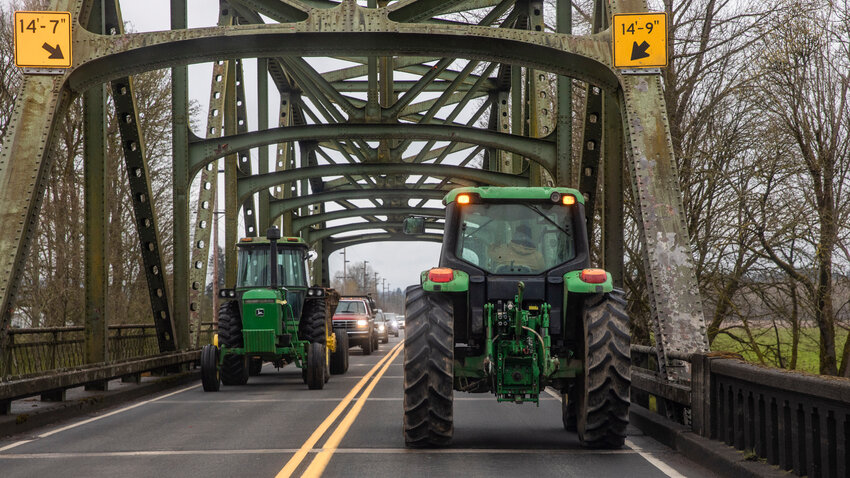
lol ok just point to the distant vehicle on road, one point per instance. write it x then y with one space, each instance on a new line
356 316
392 323
382 327
400 320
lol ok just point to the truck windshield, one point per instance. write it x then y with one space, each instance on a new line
351 307
515 238
254 267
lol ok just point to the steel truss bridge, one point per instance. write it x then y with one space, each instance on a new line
422 96
388 104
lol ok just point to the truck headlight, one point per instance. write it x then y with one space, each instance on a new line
362 323
381 328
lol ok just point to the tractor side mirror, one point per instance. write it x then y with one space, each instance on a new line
312 255
414 225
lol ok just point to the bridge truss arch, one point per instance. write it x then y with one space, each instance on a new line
420 96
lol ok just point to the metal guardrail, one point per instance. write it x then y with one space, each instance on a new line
796 421
36 351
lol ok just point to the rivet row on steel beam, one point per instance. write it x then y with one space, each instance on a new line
144 212
591 147
244 166
206 202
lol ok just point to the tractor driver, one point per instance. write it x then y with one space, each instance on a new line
519 252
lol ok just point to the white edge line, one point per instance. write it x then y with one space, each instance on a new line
663 467
115 412
13 445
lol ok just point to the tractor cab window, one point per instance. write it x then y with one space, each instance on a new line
254 267
523 238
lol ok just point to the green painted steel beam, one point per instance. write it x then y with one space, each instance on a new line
344 30
541 151
319 234
332 245
308 221
258 182
280 206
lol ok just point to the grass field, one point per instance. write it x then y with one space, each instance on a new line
807 354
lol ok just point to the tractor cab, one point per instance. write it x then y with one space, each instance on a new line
255 268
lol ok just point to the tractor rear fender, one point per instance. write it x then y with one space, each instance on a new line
573 282
444 279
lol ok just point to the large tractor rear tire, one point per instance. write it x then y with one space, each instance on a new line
209 368
311 327
603 391
339 358
316 361
234 368
428 374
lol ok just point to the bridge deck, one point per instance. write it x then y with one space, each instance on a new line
256 429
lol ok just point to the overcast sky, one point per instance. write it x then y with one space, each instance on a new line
398 262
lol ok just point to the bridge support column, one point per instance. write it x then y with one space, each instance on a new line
612 207
180 188
263 220
94 184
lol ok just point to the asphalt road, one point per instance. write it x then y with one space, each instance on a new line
275 426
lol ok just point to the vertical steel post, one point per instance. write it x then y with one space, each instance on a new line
285 160
263 124
612 206
94 169
564 127
180 187
141 195
231 201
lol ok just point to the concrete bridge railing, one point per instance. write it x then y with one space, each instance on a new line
796 421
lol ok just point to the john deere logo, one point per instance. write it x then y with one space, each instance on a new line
261 312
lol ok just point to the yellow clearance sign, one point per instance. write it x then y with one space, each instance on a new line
43 39
640 40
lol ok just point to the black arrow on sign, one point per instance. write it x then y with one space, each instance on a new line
56 53
639 51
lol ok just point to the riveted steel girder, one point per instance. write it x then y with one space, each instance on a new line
259 182
541 151
674 294
332 245
312 219
141 194
278 207
319 234
347 29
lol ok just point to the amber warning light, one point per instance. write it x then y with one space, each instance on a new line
441 274
568 200
594 276
463 199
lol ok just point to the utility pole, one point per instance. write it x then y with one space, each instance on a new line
365 278
344 274
376 283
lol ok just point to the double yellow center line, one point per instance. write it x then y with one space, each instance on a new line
320 461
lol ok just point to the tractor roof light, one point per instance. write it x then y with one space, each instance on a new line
441 274
463 199
594 276
568 199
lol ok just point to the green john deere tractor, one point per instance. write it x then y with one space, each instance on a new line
272 315
514 308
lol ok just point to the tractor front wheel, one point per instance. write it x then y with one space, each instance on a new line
316 366
602 392
209 368
255 366
339 358
234 368
428 374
